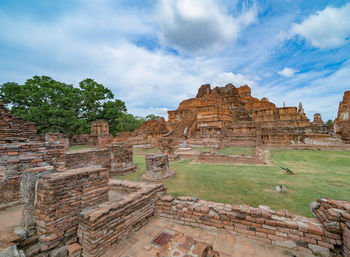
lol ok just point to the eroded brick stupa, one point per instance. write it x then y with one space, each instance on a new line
239 118
342 122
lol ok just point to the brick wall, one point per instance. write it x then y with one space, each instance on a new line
121 158
16 157
100 157
335 217
116 157
110 222
60 197
14 129
277 227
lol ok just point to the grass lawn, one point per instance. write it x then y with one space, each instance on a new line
318 174
78 147
145 150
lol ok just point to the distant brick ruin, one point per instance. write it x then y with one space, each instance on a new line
342 122
99 134
230 116
238 118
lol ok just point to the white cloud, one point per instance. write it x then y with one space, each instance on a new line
199 25
287 72
236 79
328 28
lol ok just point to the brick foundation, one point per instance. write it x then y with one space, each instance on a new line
116 157
276 227
110 222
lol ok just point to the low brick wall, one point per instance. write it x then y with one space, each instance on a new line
277 227
116 157
335 217
110 222
223 158
98 157
60 197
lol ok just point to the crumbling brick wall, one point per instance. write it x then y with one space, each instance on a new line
335 217
99 157
16 157
111 222
14 129
121 158
116 157
19 151
277 227
60 198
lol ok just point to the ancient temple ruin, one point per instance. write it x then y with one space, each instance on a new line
342 122
233 115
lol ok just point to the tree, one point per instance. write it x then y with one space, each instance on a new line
94 95
129 122
52 105
152 117
58 107
112 112
329 123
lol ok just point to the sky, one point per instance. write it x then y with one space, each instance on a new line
155 54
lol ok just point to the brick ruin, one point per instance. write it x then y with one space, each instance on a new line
157 167
19 150
78 211
233 115
149 132
258 158
116 157
99 134
330 229
72 208
230 116
342 122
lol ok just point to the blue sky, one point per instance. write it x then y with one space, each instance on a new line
154 54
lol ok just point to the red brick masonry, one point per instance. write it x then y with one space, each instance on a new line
277 227
110 222
60 199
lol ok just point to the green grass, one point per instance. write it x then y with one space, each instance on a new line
78 147
145 150
318 174
236 151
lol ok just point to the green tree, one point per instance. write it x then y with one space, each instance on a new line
58 107
112 112
129 122
329 123
152 117
94 95
52 105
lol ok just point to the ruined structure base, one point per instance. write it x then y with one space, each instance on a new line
124 171
172 173
184 148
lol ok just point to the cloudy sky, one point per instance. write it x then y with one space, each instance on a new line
154 54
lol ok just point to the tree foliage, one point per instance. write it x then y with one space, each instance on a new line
58 107
152 117
329 123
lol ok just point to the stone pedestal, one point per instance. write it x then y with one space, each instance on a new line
157 168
